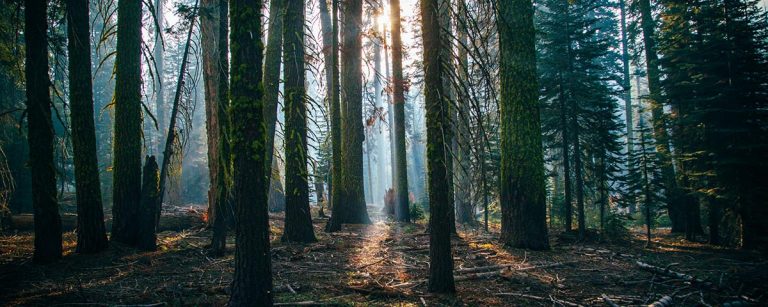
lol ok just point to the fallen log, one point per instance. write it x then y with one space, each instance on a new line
508 266
673 274
176 222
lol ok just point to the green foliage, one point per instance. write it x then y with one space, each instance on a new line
615 230
577 67
417 212
716 81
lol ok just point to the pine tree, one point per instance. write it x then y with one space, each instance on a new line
40 134
215 26
522 194
298 221
91 234
580 116
402 212
127 139
337 176
715 66
354 209
252 281
645 181
440 201
658 117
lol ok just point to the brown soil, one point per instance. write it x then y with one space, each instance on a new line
386 264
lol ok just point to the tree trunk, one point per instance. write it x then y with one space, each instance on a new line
214 28
566 150
91 233
40 134
298 220
159 84
462 183
627 88
128 132
352 125
150 191
338 209
676 214
446 56
209 28
438 140
579 175
252 281
402 211
522 193
272 77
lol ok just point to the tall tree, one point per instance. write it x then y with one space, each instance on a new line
402 213
337 190
626 86
438 141
462 180
272 77
91 235
446 39
252 281
353 199
215 29
298 220
126 187
159 57
660 134
209 37
40 133
522 194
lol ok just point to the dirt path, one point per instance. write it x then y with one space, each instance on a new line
386 264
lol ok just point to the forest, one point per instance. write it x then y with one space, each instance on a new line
384 153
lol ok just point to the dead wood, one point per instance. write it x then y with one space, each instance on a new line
673 274
175 222
550 298
608 301
665 301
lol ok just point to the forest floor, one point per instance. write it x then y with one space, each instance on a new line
386 264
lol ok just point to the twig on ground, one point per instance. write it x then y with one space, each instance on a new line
608 301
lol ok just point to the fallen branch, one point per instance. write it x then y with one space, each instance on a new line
665 301
608 301
673 274
461 275
550 298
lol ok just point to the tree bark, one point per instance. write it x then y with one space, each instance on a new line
150 191
337 192
252 281
462 183
402 210
40 134
215 64
91 233
438 140
578 173
298 220
522 193
272 76
209 26
126 187
676 214
352 125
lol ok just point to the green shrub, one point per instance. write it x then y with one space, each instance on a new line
417 212
616 230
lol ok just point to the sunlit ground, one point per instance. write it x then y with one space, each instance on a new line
384 264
